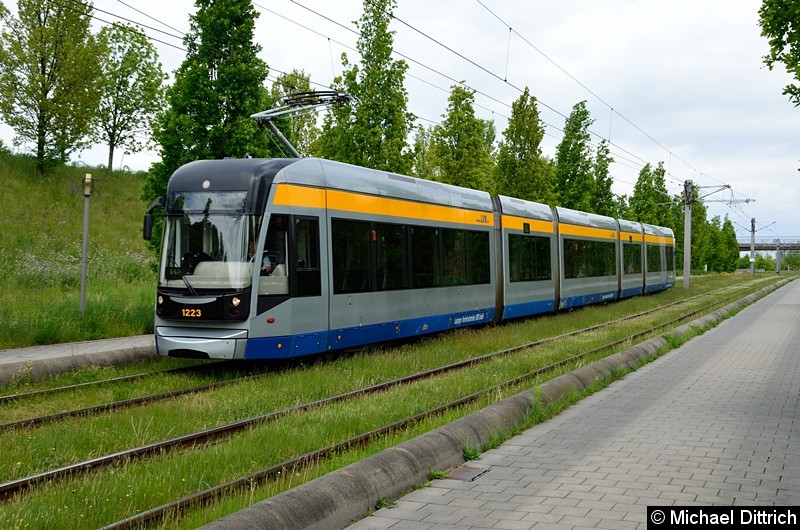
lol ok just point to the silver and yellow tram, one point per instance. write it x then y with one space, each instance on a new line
278 258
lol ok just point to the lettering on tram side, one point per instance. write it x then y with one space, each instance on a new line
466 319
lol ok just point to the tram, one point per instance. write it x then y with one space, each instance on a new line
280 258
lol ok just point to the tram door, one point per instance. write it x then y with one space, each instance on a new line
309 304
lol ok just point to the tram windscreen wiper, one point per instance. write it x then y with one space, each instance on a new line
183 277
189 285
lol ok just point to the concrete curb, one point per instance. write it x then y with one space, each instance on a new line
340 497
38 370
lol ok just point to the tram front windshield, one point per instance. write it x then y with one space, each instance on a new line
207 241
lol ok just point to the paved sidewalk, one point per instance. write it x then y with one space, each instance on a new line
715 422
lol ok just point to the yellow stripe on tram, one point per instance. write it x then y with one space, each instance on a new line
512 222
299 196
586 231
659 240
631 237
345 201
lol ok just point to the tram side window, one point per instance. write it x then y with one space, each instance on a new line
632 258
670 258
544 265
653 258
352 256
426 267
583 258
306 234
529 258
454 257
575 258
392 256
477 257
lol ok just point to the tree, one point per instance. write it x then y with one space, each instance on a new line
574 161
764 262
424 164
49 78
217 88
132 93
700 234
723 255
650 200
716 255
372 133
676 214
521 170
790 261
460 145
780 23
730 246
489 137
302 128
603 200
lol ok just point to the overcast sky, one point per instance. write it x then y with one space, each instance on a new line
678 81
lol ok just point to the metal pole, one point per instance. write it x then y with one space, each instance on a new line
687 232
752 247
87 191
778 256
286 143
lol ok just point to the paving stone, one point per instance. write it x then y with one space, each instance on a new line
714 422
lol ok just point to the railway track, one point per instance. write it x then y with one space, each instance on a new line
226 373
106 407
15 487
210 369
200 369
272 472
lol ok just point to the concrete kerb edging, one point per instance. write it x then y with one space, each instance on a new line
36 371
340 497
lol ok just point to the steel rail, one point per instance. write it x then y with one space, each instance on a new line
174 507
38 420
165 395
10 488
124 378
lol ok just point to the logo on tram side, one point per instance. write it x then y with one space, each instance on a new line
483 219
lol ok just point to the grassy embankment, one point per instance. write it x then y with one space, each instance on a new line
40 255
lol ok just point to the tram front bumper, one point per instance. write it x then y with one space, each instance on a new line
201 343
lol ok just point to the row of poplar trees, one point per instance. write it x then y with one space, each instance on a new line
205 113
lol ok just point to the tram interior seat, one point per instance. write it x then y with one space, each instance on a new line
216 274
273 284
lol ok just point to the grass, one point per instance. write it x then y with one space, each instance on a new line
139 425
40 255
116 492
40 267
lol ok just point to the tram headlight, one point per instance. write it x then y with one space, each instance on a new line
160 300
236 305
234 310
